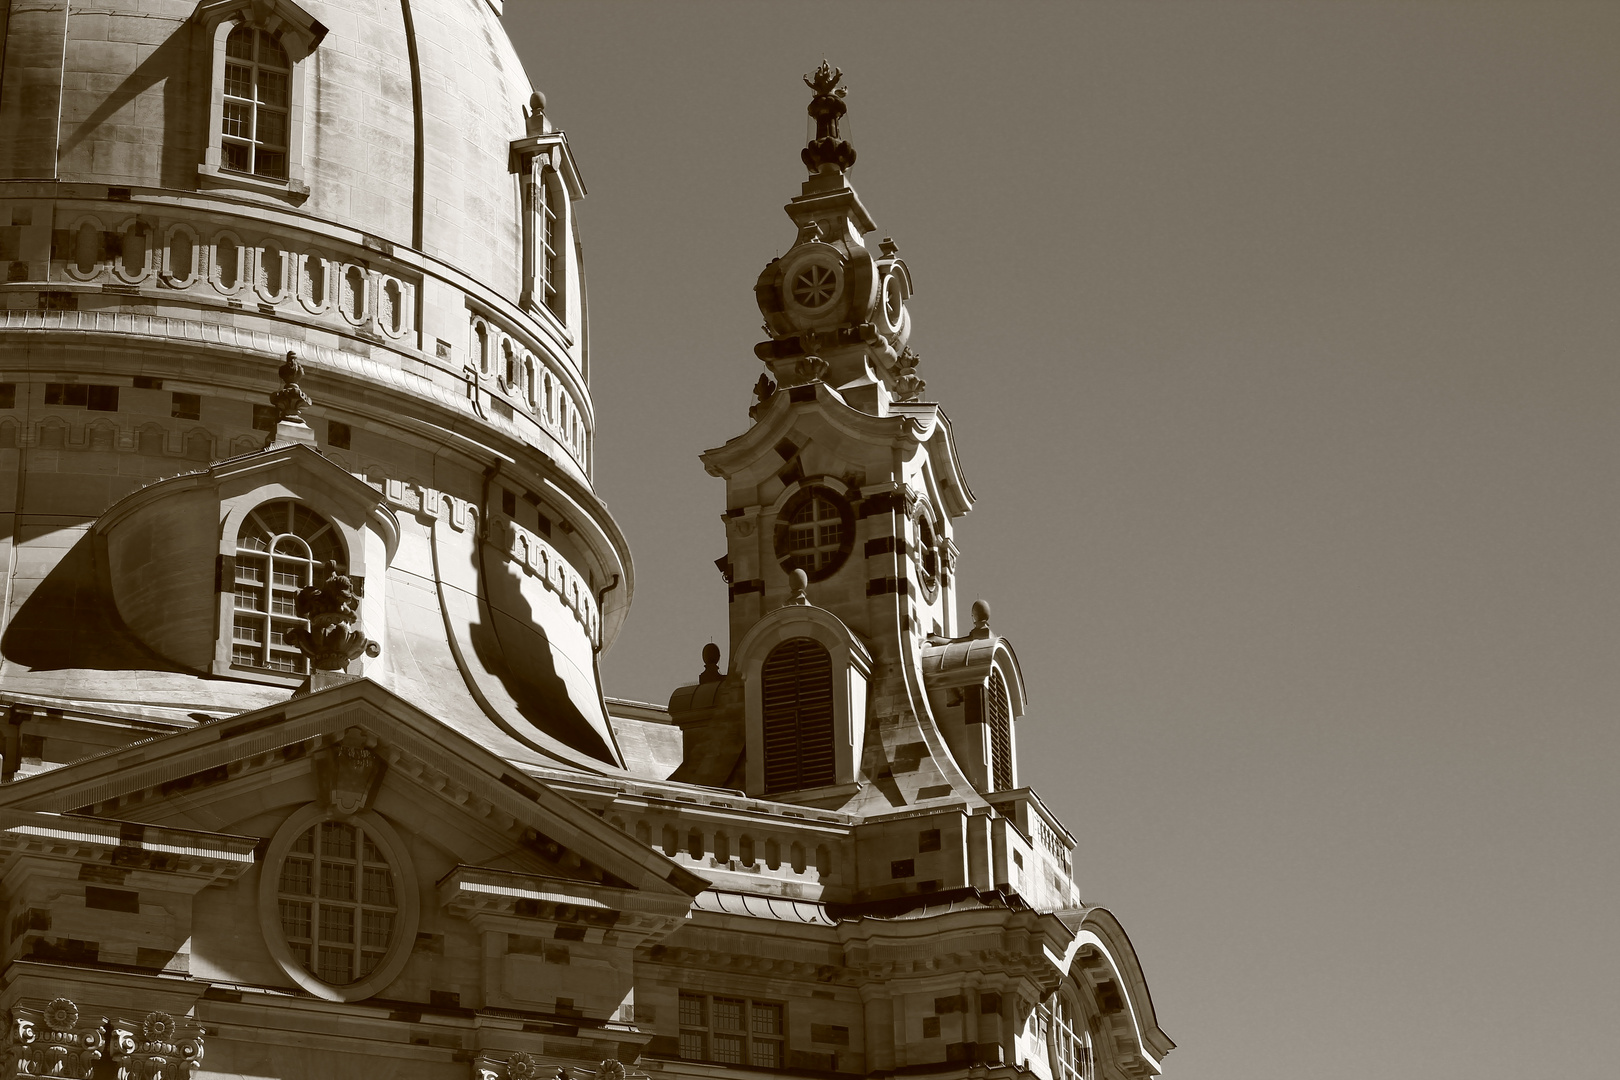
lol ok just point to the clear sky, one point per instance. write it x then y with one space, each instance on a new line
1280 342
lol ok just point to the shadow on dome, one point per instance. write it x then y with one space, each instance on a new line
70 621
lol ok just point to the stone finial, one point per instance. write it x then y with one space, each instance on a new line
52 1041
333 611
290 399
610 1070
765 387
535 122
711 664
827 150
159 1047
798 581
981 619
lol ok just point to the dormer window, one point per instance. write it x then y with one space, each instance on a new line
256 109
797 693
551 263
281 546
253 130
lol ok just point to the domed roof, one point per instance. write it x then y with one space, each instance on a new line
408 112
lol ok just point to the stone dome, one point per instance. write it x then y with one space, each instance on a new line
190 190
132 81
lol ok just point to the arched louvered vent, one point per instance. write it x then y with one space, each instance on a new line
998 711
797 687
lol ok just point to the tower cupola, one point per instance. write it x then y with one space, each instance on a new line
834 310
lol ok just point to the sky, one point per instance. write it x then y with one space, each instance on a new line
1280 343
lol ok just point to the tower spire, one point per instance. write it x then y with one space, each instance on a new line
827 107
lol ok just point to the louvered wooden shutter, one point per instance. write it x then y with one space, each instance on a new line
998 713
797 688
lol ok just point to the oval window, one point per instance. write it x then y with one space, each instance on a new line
338 902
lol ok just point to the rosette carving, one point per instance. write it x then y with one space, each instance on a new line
52 1041
158 1047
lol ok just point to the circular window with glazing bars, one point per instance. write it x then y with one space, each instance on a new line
337 902
815 532
927 555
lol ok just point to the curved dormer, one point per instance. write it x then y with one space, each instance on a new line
203 567
976 692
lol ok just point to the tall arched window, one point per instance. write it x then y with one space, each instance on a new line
797 690
278 552
551 255
257 76
998 715
1070 1042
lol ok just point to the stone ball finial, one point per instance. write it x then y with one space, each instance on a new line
799 582
711 664
537 102
981 618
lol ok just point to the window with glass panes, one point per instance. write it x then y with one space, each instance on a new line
815 534
258 75
281 547
732 1031
337 901
1070 1049
551 237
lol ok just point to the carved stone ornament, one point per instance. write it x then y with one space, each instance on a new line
290 399
52 1041
349 772
610 1070
803 369
520 1066
333 610
799 583
827 149
159 1047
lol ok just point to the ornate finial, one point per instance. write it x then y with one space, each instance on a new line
981 619
711 664
333 611
827 107
798 581
291 397
535 122
765 387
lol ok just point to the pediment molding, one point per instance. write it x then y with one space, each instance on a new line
562 834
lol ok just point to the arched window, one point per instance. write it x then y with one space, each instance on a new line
551 262
278 552
797 688
253 138
1070 1042
998 716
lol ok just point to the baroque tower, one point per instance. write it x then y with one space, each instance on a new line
307 763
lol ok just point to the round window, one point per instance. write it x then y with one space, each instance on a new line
815 532
815 285
338 902
927 554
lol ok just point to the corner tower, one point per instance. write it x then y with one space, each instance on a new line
853 683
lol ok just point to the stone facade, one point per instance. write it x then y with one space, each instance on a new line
307 766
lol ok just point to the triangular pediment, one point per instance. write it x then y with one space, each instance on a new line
358 746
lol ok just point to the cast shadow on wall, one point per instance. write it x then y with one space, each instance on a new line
70 621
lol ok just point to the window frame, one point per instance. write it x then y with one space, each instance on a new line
838 553
299 34
746 1033
406 897
269 615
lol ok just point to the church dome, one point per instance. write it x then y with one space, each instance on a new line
192 190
